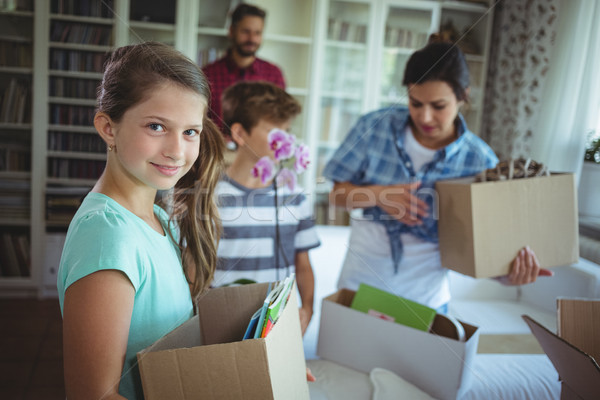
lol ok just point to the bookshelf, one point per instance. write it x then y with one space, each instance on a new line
16 77
340 58
81 34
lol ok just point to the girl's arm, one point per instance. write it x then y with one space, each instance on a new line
306 287
96 319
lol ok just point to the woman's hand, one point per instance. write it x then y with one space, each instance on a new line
400 202
309 376
525 269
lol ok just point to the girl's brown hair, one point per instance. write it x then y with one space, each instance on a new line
129 73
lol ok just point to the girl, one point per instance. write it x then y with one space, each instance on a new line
126 265
386 157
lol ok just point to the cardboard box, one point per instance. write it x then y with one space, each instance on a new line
576 349
204 358
437 364
483 225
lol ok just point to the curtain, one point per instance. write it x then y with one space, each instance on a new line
572 99
543 91
521 53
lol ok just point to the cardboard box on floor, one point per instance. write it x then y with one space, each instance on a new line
483 225
435 363
575 351
205 357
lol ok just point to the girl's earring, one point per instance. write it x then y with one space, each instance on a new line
110 147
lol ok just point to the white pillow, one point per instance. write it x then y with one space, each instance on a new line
389 386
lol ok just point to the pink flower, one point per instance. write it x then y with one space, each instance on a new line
282 144
263 169
286 177
302 159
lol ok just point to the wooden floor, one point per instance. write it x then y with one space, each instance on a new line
31 363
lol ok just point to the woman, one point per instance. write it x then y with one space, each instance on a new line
388 165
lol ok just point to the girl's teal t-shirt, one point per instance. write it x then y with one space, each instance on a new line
104 235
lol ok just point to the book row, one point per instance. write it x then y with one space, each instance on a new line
398 37
15 258
75 169
16 54
15 159
71 115
73 32
15 102
73 141
208 55
16 5
86 8
61 208
73 60
73 88
345 31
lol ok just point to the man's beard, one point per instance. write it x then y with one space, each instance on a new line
241 50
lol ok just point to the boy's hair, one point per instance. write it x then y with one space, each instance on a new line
130 73
244 10
248 102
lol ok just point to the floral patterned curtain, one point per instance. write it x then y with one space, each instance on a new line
522 43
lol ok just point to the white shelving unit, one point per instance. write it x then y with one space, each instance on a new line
16 141
366 44
340 58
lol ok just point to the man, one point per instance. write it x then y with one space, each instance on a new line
240 63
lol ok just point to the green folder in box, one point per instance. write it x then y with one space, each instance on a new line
388 306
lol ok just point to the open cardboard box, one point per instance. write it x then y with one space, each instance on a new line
575 351
436 363
483 225
205 357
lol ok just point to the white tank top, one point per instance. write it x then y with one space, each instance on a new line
420 276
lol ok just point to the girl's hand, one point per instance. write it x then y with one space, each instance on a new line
525 269
309 376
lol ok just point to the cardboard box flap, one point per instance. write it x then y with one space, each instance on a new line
285 354
579 324
185 335
224 313
575 368
174 374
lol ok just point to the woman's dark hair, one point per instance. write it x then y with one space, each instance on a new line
130 73
439 61
244 10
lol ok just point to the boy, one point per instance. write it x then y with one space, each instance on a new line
251 109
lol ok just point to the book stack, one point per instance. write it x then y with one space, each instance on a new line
266 316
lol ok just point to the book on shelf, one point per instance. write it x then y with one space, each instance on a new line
263 320
9 260
14 102
390 307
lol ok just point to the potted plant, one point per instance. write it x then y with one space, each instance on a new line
589 182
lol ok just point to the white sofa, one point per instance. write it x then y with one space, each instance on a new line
495 308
